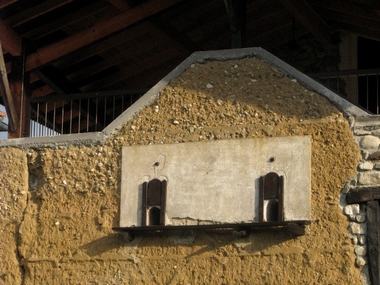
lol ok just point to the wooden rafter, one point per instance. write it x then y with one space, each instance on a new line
310 20
96 32
5 92
70 19
120 4
345 7
130 52
98 48
5 3
236 11
165 55
359 21
56 81
36 11
348 16
9 39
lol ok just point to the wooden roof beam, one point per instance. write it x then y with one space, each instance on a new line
237 11
5 3
344 7
5 92
131 52
120 4
310 20
56 81
98 31
36 11
141 66
9 39
62 22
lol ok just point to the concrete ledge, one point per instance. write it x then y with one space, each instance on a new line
55 141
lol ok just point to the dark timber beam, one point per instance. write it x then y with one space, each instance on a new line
310 20
98 31
373 217
362 195
69 19
236 11
120 4
56 81
5 3
36 11
16 83
171 34
5 92
10 40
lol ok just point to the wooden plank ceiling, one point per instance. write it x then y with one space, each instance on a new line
74 46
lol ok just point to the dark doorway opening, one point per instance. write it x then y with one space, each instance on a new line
154 216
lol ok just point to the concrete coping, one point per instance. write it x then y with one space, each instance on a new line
349 109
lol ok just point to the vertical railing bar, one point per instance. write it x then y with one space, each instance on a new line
71 116
113 107
367 93
63 115
105 111
377 93
45 129
96 113
80 108
54 113
337 84
38 112
88 113
122 103
357 86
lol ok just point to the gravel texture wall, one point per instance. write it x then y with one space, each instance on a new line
57 228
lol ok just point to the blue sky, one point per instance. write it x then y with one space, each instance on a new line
3 135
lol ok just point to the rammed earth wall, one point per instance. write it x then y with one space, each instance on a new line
60 196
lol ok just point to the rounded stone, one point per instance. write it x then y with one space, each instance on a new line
360 261
366 165
369 178
352 209
360 218
358 229
362 240
369 142
360 250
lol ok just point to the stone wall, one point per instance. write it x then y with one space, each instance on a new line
367 133
58 227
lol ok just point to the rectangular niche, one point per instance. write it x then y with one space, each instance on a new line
216 182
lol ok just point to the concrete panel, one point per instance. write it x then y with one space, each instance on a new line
216 181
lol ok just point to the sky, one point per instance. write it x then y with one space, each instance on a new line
3 135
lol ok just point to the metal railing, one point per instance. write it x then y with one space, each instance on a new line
77 113
361 87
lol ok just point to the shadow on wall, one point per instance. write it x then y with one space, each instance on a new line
196 242
104 244
251 82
